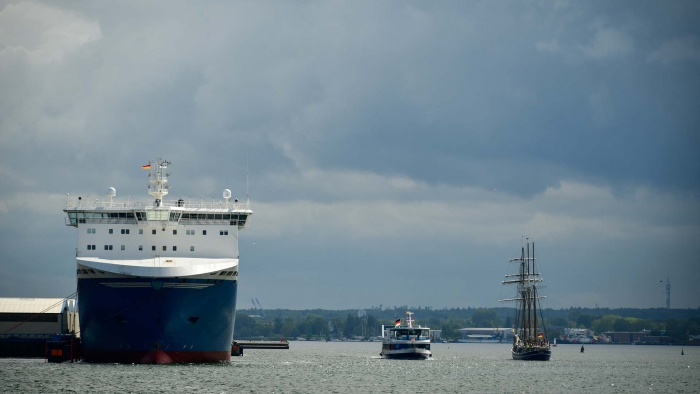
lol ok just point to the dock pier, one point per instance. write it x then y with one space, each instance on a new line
238 346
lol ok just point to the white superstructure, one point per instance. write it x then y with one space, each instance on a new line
160 238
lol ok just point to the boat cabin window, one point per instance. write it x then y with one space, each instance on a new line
411 333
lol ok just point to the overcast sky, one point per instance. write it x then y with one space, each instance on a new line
398 151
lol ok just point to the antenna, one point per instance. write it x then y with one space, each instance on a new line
247 179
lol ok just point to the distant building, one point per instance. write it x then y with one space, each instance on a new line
362 313
576 335
435 334
37 316
627 336
655 340
486 334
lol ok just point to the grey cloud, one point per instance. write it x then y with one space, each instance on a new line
401 106
677 50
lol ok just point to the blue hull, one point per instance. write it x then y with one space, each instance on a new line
146 320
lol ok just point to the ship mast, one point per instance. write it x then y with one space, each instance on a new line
158 179
523 297
527 297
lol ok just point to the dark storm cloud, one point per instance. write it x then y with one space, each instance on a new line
379 135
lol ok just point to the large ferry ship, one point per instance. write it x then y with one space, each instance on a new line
157 281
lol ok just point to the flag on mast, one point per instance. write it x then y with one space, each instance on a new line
146 167
397 323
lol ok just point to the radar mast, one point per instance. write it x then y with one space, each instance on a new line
158 179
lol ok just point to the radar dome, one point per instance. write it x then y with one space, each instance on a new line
111 192
227 194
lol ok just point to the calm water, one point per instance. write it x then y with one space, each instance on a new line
320 367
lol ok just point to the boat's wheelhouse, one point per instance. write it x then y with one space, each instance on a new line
409 333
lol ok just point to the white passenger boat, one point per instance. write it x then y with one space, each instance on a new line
406 341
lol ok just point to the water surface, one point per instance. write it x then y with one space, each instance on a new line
345 367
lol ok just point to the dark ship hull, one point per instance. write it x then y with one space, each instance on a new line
532 355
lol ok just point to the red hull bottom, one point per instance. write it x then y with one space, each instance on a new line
154 357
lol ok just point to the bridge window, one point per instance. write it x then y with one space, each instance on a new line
153 247
153 231
204 232
111 231
158 215
125 231
165 248
108 247
174 232
223 232
174 248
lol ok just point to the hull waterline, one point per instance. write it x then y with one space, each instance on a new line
533 355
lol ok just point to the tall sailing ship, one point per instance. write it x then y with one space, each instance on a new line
530 334
157 281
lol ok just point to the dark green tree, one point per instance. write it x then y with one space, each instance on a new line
484 318
584 320
277 327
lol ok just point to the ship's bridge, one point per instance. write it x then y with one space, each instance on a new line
171 212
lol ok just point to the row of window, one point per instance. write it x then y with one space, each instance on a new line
157 215
154 231
111 247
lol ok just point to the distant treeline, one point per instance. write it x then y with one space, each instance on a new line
323 323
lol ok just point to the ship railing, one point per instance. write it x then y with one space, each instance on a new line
87 205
